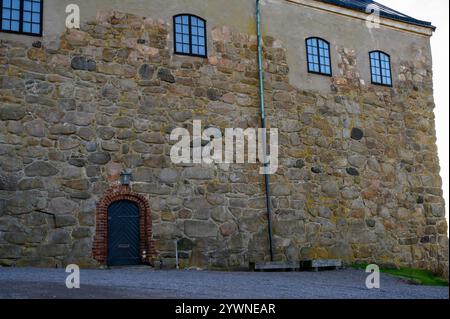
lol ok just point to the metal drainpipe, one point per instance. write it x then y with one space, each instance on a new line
263 126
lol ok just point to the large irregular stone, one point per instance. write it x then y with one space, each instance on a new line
35 128
40 169
99 158
220 214
146 71
168 176
65 221
82 232
83 63
82 248
62 205
10 112
228 229
79 118
165 75
166 230
59 236
281 190
200 173
10 251
8 182
152 188
16 238
200 207
200 229
358 161
357 134
330 188
30 183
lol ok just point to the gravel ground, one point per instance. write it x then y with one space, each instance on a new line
21 283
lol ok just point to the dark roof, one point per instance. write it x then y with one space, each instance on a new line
361 5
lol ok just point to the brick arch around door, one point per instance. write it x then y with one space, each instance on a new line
113 195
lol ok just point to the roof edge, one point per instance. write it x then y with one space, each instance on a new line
325 5
396 15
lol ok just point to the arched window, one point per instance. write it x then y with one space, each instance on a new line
190 35
21 16
318 53
380 66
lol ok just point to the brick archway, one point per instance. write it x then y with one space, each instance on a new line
114 194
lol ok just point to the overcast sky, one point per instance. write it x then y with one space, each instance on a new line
436 11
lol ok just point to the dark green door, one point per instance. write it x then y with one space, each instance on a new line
123 234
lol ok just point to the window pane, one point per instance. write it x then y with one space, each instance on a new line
36 28
6 14
36 17
27 27
27 5
314 67
14 25
27 16
5 25
202 51
36 6
16 4
15 15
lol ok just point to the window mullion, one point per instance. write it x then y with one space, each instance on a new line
1 14
21 17
318 56
381 68
190 34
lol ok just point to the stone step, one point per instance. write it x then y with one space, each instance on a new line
314 265
321 264
276 266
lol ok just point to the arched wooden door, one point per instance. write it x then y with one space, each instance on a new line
123 234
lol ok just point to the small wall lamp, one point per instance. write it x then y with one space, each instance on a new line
125 178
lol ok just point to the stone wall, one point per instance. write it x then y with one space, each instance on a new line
358 177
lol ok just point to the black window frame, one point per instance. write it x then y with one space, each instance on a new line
318 55
190 16
21 21
380 69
